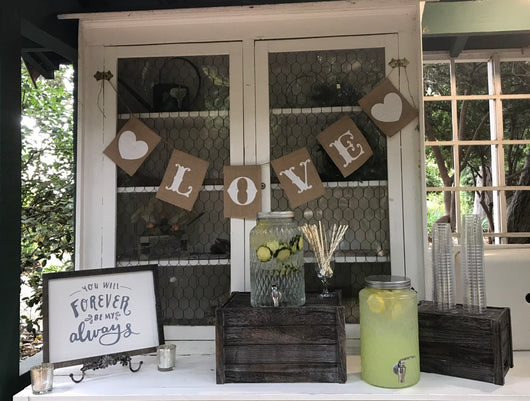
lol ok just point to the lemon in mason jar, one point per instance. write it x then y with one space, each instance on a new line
376 303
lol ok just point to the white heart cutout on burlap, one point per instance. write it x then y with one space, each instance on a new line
390 110
130 148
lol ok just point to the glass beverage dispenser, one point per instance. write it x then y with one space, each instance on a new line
276 261
389 332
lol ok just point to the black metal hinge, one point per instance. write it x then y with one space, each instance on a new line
400 62
106 75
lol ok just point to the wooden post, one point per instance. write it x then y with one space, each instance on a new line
10 147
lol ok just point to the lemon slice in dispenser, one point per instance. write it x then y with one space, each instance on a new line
376 303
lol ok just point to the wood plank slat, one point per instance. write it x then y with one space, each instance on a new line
299 334
281 353
263 373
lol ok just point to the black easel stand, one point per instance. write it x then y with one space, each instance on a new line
104 362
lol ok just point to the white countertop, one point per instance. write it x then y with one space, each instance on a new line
194 380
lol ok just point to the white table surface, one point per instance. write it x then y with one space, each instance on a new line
194 379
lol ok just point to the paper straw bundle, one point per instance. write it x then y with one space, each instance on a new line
318 240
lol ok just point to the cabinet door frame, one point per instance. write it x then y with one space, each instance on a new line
262 154
97 214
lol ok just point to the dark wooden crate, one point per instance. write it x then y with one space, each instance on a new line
472 346
282 345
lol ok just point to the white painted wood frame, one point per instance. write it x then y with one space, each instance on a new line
242 32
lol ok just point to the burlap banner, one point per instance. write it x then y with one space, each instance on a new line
298 177
182 180
242 191
132 144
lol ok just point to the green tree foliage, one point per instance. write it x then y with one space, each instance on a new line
47 180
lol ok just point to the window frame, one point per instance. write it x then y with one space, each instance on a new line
495 97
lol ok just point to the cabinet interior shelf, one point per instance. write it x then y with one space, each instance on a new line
355 257
176 262
331 184
225 113
132 190
316 110
176 114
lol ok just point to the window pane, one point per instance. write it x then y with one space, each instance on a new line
436 80
438 207
481 203
324 78
473 120
438 121
516 118
471 78
439 166
517 215
517 164
475 166
515 77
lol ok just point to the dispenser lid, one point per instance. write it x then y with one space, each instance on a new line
276 215
385 282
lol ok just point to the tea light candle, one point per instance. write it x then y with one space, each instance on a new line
42 378
166 357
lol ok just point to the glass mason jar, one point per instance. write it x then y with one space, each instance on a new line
276 261
389 332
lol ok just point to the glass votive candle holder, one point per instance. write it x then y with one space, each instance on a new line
42 378
166 357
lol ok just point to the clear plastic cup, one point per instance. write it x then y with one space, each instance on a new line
443 267
473 264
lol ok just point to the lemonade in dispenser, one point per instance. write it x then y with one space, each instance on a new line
389 332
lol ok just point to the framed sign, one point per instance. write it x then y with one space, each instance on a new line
92 313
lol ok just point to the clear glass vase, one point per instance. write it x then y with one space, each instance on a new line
324 270
276 261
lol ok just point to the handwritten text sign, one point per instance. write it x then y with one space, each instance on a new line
346 145
133 143
298 177
182 180
99 312
242 191
387 108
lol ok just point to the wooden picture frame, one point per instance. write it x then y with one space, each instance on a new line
89 314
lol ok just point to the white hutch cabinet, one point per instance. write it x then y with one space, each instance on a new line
244 86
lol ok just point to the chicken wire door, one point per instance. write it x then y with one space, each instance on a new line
190 95
305 86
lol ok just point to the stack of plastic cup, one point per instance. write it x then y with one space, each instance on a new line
473 264
443 267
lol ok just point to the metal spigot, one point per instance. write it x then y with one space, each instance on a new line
276 296
400 369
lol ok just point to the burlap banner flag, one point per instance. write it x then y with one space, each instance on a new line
298 177
132 144
346 145
242 191
182 180
387 108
